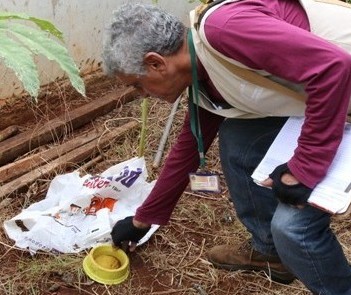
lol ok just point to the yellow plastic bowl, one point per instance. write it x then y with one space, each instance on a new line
107 265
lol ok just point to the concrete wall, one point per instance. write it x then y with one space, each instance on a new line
82 23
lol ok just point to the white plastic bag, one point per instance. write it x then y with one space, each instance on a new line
79 212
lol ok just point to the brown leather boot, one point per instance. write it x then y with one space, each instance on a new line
244 257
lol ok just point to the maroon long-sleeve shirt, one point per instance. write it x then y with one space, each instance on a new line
270 35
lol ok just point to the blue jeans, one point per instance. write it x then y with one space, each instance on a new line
301 237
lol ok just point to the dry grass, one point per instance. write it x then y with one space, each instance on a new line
174 260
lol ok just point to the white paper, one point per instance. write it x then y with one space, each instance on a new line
333 194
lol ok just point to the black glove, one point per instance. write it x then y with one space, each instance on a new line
124 230
296 194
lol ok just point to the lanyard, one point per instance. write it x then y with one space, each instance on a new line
194 98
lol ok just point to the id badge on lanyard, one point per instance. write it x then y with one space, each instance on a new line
202 180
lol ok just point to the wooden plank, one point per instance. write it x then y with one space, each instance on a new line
92 162
8 132
70 159
22 166
13 147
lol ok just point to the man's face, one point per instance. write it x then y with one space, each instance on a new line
164 78
156 87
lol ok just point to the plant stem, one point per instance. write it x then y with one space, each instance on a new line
165 134
144 109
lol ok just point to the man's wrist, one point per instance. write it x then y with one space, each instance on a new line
141 225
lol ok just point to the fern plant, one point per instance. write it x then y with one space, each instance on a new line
19 43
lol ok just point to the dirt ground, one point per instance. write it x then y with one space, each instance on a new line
173 261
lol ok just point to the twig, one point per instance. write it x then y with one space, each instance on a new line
107 290
201 251
186 253
202 197
169 291
10 248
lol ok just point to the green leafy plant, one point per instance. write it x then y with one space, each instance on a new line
19 43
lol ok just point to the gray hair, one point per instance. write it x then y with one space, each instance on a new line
135 30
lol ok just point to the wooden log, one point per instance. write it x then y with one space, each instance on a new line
8 132
22 166
16 146
70 159
89 164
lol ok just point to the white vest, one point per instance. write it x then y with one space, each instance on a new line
329 21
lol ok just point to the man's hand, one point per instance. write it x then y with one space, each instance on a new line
128 232
287 188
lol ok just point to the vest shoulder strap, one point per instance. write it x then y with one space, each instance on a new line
336 2
259 80
201 9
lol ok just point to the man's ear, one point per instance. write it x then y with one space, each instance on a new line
154 62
